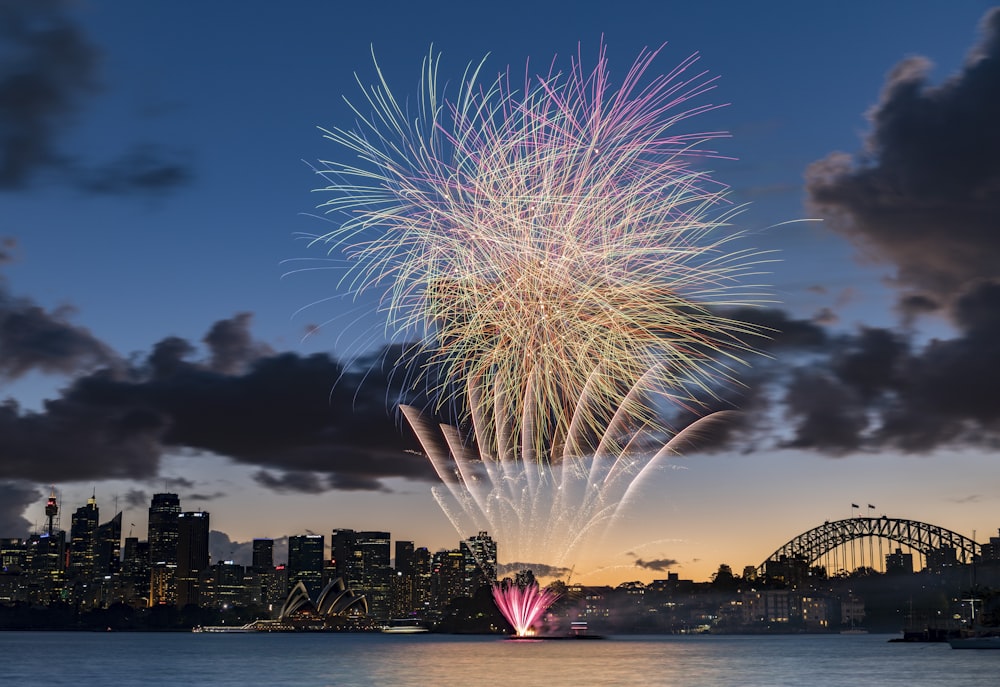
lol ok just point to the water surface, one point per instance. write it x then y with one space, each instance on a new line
55 659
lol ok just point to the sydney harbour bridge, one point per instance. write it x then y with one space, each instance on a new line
844 546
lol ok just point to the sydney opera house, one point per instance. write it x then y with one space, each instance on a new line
336 608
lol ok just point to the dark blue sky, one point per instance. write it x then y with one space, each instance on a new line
158 185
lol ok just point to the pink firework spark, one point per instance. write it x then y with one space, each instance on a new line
522 606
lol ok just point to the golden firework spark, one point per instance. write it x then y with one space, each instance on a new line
547 243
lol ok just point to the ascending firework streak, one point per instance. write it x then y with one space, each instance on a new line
540 511
563 261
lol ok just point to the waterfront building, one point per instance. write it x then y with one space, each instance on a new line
422 579
192 554
371 555
107 553
448 579
898 563
990 552
402 586
342 550
163 513
135 572
305 562
224 585
263 555
83 541
164 510
481 566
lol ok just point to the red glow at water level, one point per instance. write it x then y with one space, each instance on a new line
522 607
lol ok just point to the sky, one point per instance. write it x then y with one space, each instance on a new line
164 326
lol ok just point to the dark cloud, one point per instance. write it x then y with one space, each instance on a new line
924 195
291 480
14 499
175 483
204 497
144 169
49 68
7 247
658 564
32 338
48 71
136 498
308 423
231 345
539 569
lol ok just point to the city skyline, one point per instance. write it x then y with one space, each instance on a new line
176 543
150 343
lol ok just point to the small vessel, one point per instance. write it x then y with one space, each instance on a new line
975 642
225 629
404 626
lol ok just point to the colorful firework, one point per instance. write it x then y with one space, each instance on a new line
547 244
523 606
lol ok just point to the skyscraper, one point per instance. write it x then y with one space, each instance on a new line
342 545
264 587
402 588
192 554
422 579
107 556
305 562
83 541
163 512
263 555
404 557
135 571
481 561
372 551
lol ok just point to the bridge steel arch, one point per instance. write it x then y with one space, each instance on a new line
812 545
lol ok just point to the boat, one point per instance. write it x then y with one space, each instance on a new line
225 629
975 642
404 626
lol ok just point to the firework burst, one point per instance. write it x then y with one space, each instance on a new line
548 243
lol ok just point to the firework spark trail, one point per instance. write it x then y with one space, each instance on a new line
544 240
563 258
523 606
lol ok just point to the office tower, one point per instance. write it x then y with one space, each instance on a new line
192 554
898 562
447 578
372 553
481 568
305 562
402 584
107 555
163 512
225 586
342 554
45 556
12 552
421 579
404 557
136 572
263 555
83 541
264 587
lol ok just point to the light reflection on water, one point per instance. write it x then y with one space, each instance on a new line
154 659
